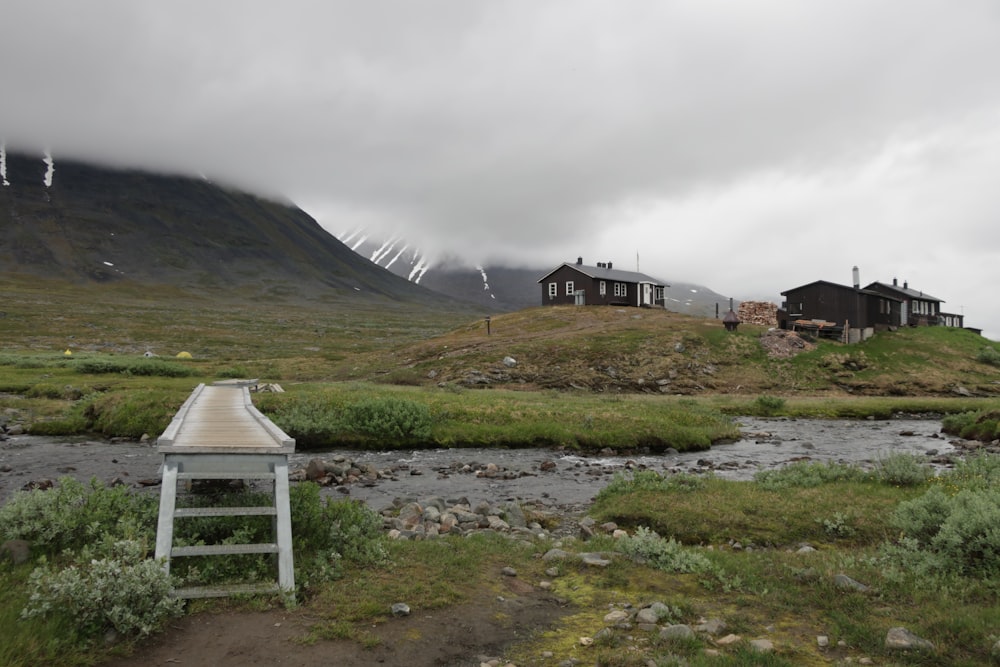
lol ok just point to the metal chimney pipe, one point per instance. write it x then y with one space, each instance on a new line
857 277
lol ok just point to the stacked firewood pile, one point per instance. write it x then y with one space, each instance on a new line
763 313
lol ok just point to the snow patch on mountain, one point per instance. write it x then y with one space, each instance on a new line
3 166
419 269
486 282
50 169
382 251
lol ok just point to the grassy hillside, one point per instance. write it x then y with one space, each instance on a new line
597 349
538 376
656 351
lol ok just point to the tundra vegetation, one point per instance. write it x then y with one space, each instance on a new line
925 546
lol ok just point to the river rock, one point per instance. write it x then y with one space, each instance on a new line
676 632
594 560
843 581
647 616
617 616
901 639
514 515
712 626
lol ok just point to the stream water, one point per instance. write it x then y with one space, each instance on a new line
551 477
569 478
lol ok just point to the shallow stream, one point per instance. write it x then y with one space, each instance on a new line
552 477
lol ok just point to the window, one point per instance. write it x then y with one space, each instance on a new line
603 288
658 293
569 288
553 290
621 289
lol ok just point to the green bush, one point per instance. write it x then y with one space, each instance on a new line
391 421
989 355
803 474
977 471
312 421
902 470
667 555
960 531
121 589
649 480
142 367
768 406
333 533
983 425
71 515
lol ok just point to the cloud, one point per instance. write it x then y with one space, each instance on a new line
746 145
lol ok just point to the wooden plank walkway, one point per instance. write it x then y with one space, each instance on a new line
219 434
222 418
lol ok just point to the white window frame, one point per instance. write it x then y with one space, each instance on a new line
621 289
553 290
603 288
570 289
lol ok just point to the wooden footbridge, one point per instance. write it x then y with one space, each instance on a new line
218 434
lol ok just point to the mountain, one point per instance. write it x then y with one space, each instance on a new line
86 223
503 288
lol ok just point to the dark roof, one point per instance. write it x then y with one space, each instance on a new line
865 290
905 290
602 273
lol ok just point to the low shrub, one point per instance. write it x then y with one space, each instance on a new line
146 367
649 480
988 355
983 425
392 421
348 527
71 515
312 421
768 406
803 474
120 589
959 531
645 546
900 469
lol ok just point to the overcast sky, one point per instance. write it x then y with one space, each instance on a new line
750 146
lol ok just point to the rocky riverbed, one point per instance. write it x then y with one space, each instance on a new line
549 478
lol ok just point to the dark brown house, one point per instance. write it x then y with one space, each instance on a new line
918 309
603 285
849 313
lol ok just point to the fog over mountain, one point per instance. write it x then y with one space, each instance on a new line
753 147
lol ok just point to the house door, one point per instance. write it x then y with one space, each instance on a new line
647 295
580 298
903 318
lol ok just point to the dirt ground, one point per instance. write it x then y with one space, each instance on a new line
459 636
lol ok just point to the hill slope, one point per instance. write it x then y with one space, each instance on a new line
655 351
85 223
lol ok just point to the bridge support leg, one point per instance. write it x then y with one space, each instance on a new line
283 528
165 522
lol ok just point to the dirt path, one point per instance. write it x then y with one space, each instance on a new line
459 636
